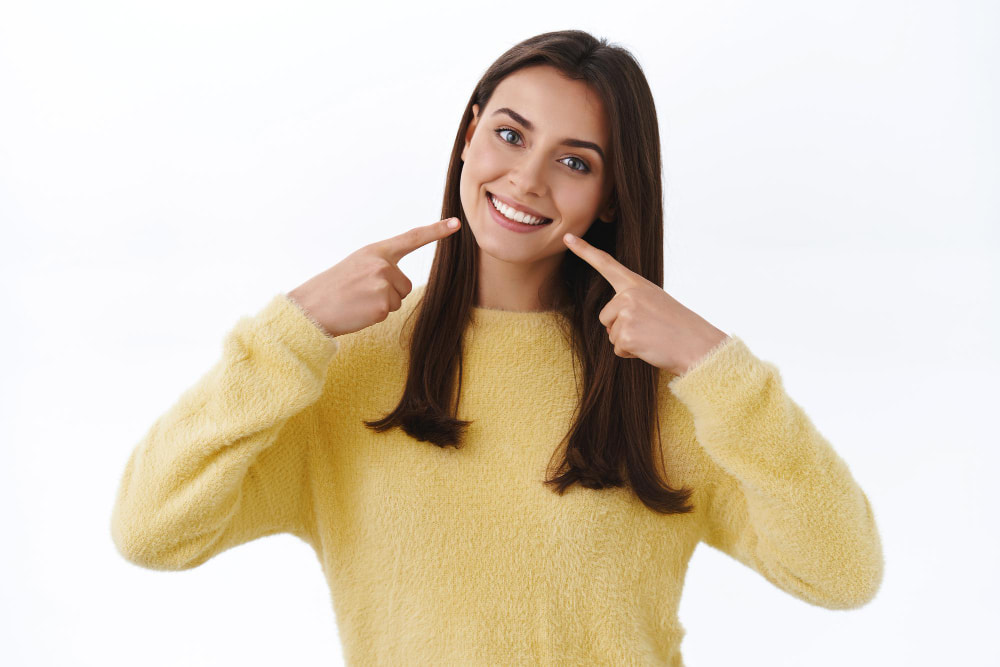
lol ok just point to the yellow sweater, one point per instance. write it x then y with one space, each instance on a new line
462 557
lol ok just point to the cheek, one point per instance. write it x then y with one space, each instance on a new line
483 164
486 159
577 202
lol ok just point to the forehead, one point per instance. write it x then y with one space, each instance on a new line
555 104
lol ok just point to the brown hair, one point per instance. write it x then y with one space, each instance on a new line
611 442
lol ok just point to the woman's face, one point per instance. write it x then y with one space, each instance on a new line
520 148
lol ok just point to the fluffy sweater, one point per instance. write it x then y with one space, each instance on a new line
444 556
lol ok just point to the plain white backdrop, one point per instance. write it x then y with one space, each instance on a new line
830 174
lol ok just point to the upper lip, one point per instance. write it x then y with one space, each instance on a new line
519 206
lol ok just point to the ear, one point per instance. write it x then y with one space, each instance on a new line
471 130
608 212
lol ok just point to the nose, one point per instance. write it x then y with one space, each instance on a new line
528 175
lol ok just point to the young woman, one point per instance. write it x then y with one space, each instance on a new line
408 434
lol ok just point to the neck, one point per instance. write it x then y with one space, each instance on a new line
515 286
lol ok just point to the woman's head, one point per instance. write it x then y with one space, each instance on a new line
568 85
578 87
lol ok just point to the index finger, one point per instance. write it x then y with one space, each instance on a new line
397 247
614 271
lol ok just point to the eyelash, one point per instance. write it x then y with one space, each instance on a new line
586 167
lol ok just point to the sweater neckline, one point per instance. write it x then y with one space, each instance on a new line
498 316
514 312
497 327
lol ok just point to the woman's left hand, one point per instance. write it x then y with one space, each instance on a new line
644 321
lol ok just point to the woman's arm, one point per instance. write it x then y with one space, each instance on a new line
780 499
228 462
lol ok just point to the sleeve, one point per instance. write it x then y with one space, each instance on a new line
779 498
228 463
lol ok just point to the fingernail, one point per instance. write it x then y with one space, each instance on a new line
453 223
569 238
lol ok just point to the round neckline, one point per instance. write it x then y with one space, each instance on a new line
515 312
493 316
495 319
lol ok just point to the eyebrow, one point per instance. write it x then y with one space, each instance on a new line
578 143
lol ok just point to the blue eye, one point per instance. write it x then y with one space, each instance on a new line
583 168
499 132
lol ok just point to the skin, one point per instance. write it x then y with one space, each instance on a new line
517 271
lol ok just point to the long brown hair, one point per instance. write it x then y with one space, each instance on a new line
611 443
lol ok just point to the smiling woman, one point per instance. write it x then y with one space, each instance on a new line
445 535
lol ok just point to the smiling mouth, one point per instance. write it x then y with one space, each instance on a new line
489 199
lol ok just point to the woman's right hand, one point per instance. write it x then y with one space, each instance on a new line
363 288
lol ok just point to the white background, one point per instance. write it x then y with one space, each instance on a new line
830 173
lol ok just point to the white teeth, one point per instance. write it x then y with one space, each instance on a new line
514 214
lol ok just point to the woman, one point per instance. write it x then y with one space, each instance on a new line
542 334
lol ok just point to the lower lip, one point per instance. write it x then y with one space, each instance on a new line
512 225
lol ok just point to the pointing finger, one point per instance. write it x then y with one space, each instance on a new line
397 247
616 273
